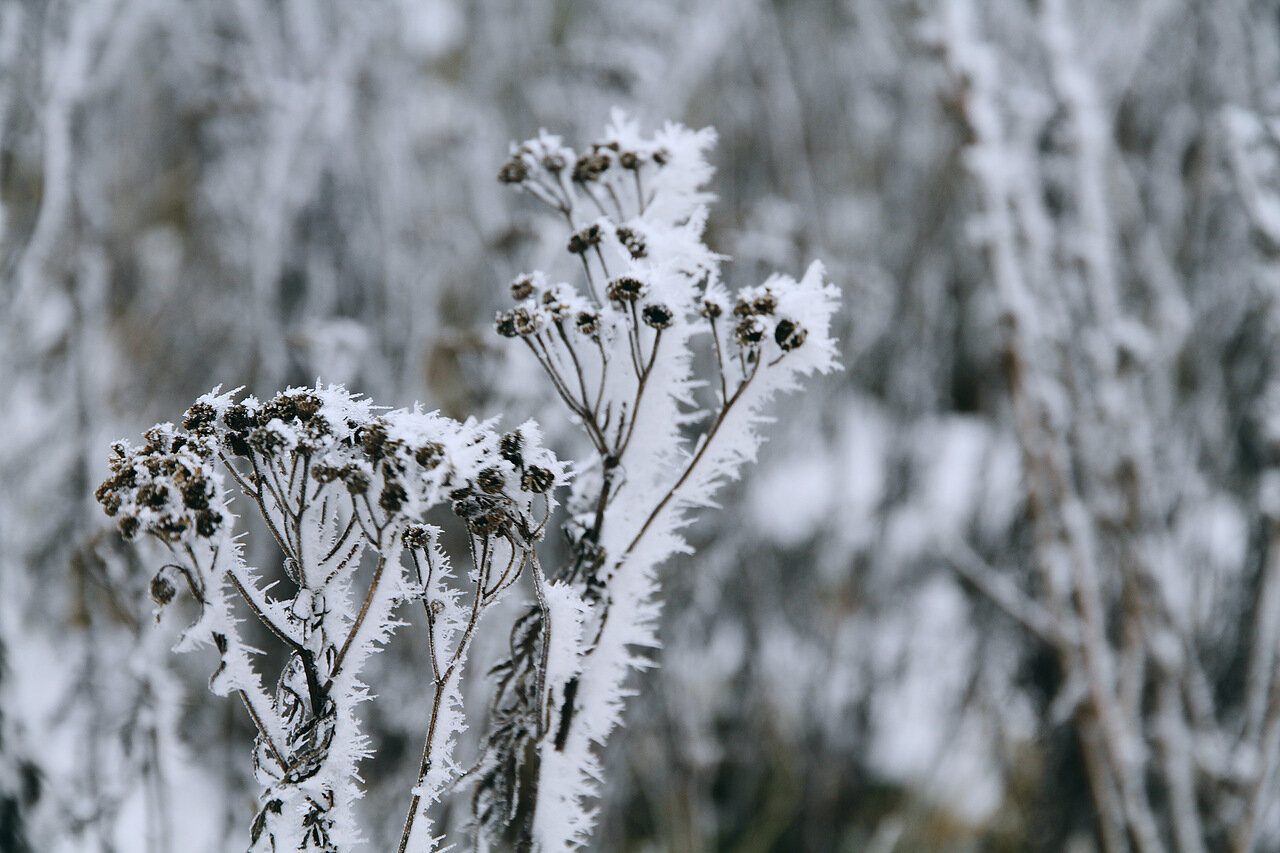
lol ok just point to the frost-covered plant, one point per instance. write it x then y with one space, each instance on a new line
345 491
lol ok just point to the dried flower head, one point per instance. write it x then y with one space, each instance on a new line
522 287
657 315
588 323
581 241
590 166
491 480
416 536
749 331
510 446
625 289
633 241
162 590
537 480
514 171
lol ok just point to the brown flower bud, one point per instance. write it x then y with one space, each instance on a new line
514 171
625 289
162 590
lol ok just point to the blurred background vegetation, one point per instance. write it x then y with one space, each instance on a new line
262 192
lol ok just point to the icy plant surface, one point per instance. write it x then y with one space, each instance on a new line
347 492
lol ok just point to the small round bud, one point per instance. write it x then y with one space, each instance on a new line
491 480
506 324
711 309
514 171
629 160
788 335
510 446
162 590
537 480
553 162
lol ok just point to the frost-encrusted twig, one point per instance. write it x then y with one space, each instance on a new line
619 351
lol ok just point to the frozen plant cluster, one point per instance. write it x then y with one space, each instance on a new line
361 501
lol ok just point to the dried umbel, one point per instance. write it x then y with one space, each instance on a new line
333 478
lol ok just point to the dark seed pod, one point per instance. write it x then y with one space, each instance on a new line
583 240
590 167
525 322
510 446
153 495
110 501
537 480
711 309
629 160
588 323
170 528
207 523
506 324
633 241
788 335
625 289
162 590
374 441
749 331
236 443
195 493
239 419
199 418
356 481
129 526
307 406
429 455
393 497
514 171
417 536
553 162
765 303
491 480
522 287
657 316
